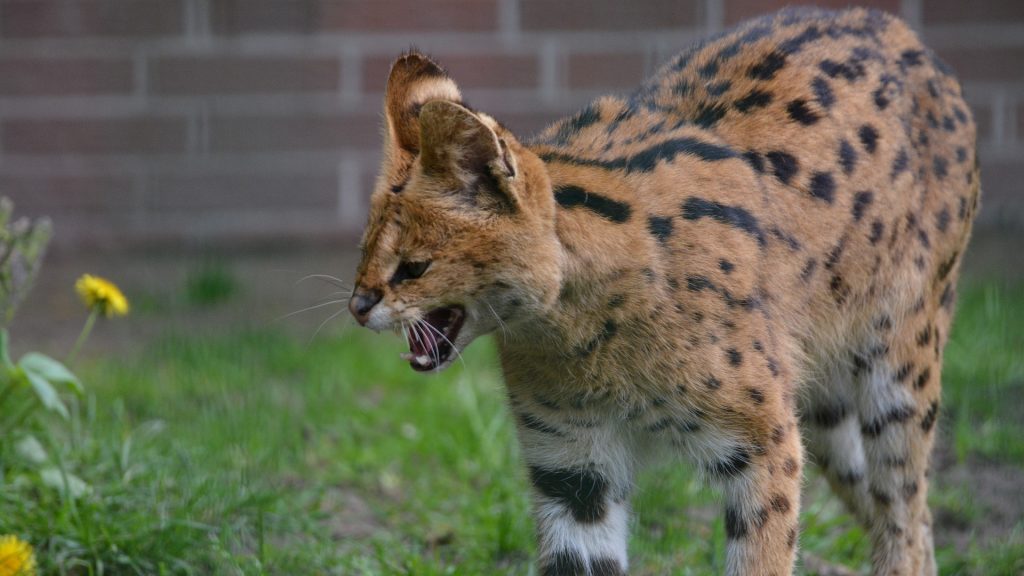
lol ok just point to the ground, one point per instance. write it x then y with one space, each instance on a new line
219 436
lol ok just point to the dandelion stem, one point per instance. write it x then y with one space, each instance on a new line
83 336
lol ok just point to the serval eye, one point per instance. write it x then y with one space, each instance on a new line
409 271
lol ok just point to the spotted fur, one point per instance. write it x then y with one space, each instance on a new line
765 235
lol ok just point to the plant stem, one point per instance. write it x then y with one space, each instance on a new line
83 336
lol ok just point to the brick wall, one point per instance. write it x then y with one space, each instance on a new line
198 121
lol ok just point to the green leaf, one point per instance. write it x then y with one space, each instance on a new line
47 395
5 357
50 369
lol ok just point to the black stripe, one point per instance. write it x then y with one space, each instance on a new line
646 160
581 491
697 208
569 196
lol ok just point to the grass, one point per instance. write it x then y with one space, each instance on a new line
255 453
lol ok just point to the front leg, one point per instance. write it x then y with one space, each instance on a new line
581 476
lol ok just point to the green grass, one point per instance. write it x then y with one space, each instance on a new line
255 453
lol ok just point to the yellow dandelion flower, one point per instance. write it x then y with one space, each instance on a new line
16 557
102 295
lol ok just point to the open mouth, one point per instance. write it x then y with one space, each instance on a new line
432 340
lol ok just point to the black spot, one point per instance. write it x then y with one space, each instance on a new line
850 71
835 254
800 112
911 57
929 417
910 490
808 269
766 68
563 563
755 160
756 394
962 210
922 237
790 241
754 99
946 267
861 200
719 88
646 160
608 331
660 227
709 114
850 478
581 491
713 383
947 124
796 43
940 167
924 337
877 229
779 503
948 295
839 289
697 208
827 416
885 91
726 266
847 156
605 567
533 423
732 466
961 154
569 196
942 219
868 137
709 70
899 164
881 497
923 378
784 165
874 428
791 538
823 186
616 301
735 357
397 188
735 526
571 127
823 92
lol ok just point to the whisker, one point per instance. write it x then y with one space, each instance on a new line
313 307
504 328
322 324
326 278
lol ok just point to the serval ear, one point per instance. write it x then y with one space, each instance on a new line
462 148
414 81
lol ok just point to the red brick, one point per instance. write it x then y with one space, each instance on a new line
253 191
738 10
60 77
958 11
397 15
469 71
274 16
325 132
605 70
588 15
61 18
990 64
1001 199
93 136
45 195
526 125
227 75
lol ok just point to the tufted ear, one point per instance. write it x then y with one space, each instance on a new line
414 80
458 145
